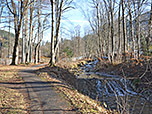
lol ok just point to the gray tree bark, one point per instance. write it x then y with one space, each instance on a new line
52 60
149 30
123 29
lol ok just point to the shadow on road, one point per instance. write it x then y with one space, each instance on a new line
84 86
39 84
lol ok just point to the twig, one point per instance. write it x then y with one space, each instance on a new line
148 65
142 108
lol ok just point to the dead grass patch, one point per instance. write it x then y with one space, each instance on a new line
12 101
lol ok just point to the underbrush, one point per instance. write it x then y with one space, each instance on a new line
138 68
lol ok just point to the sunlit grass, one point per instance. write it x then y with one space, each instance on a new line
11 101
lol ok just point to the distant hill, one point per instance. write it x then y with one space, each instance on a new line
144 20
5 35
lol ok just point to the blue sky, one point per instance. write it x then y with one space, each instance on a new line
71 19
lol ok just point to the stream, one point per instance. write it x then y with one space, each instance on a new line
114 92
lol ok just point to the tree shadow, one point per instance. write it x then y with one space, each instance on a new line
38 87
55 110
84 86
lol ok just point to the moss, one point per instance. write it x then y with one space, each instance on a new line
136 82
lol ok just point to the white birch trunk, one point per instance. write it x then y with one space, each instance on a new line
52 61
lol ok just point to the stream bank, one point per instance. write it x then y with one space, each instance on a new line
113 91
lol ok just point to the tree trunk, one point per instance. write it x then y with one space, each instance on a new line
39 54
149 30
123 29
29 58
23 44
25 36
112 33
15 48
26 33
52 60
138 30
36 55
9 40
136 27
58 22
119 33
108 33
98 28
131 30
17 26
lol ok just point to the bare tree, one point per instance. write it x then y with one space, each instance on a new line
149 30
123 28
29 56
25 34
52 60
111 7
18 14
2 8
119 29
57 8
131 27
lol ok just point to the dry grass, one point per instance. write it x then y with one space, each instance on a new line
72 64
12 101
132 68
9 73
